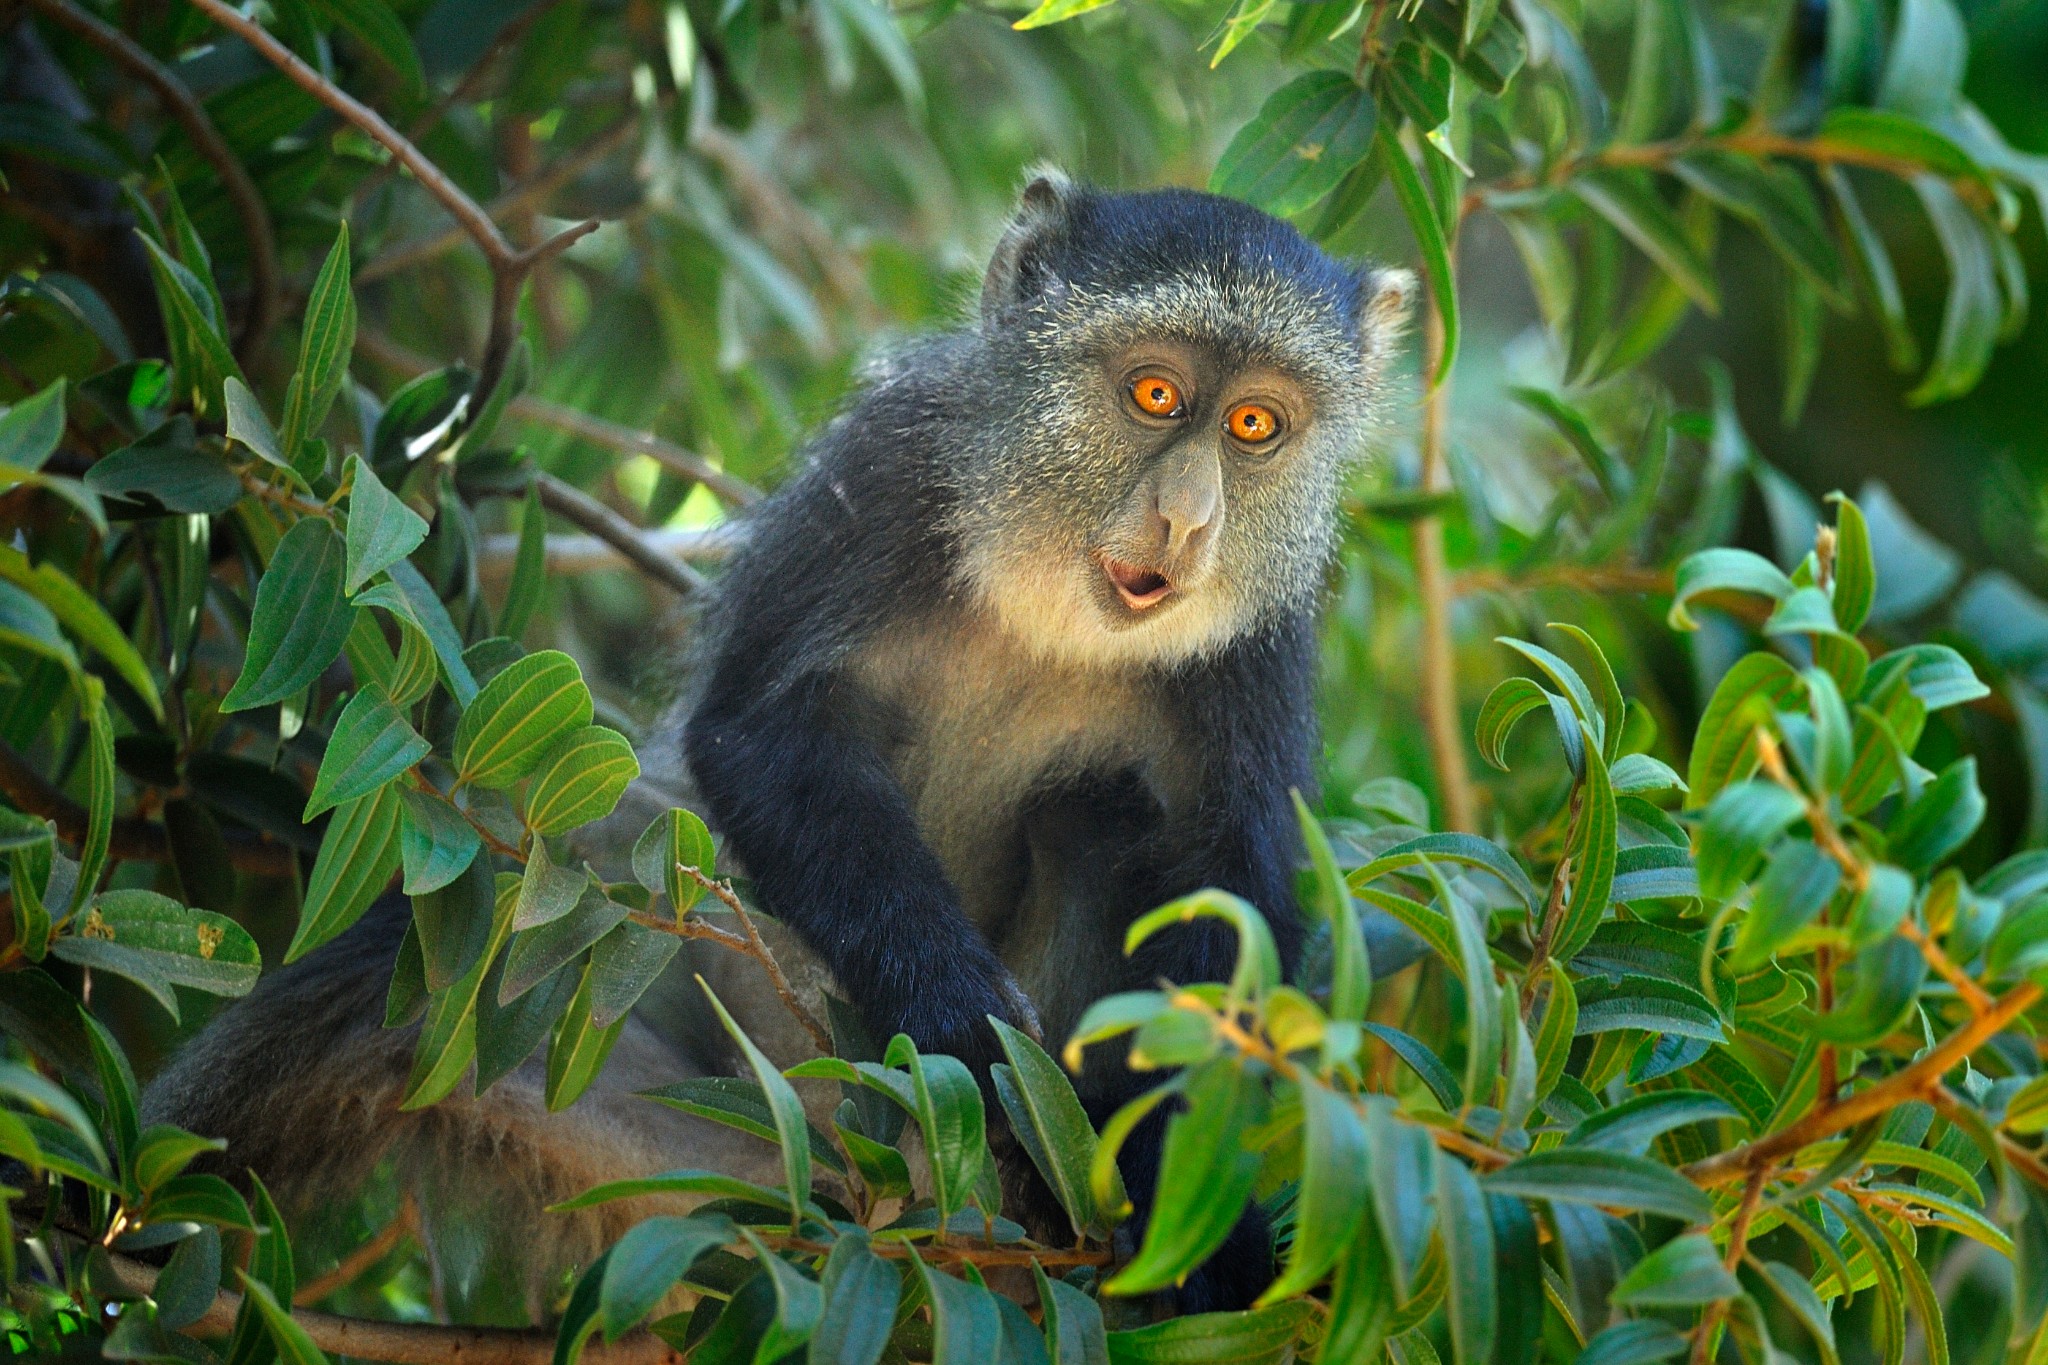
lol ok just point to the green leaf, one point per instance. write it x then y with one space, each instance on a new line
1631 1126
1466 849
325 344
1723 570
860 1292
742 1104
99 760
381 528
1073 1322
1626 201
357 856
946 1102
1875 276
1425 1063
190 1282
1974 314
158 943
1724 746
1507 703
1205 1176
1335 1189
2027 1111
1636 1341
415 600
1744 820
293 1346
1646 1002
163 1150
1876 995
1582 1176
1797 1295
199 352
1924 70
435 843
1594 856
1047 1117
83 617
1258 959
539 951
646 1263
1798 882
1430 239
300 620
577 1050
510 726
1467 1231
248 424
1351 963
1941 821
677 838
32 427
372 743
1304 139
1684 1272
1263 1336
199 1199
1054 11
967 1328
529 567
1775 200
580 779
790 1125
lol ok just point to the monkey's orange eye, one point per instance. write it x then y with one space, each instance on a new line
1252 423
1156 394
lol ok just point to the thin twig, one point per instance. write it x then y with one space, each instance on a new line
1738 1243
574 554
509 264
979 1256
520 198
573 504
133 840
758 950
207 141
352 1267
1432 586
597 430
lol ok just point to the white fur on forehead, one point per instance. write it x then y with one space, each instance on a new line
1264 313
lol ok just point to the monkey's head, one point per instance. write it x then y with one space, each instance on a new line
1167 388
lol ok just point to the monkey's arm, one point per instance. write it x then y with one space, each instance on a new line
833 847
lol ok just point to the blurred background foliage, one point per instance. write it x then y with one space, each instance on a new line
787 186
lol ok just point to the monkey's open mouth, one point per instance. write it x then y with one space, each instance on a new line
1139 587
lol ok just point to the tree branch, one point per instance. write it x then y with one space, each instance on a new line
207 141
573 554
749 945
735 492
572 504
509 265
1916 1081
138 840
1432 585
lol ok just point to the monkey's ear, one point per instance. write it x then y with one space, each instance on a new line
1389 295
1020 272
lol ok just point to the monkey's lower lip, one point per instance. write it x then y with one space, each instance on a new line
1139 587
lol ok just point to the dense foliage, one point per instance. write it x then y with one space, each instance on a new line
1594 1061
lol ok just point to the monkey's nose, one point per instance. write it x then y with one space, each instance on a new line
1183 513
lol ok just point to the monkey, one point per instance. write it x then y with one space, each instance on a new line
1026 648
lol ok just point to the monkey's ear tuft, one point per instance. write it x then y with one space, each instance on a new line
1390 294
1020 272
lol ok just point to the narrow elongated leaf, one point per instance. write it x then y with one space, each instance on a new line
300 619
1044 1110
1335 1189
790 1124
646 1263
357 856
83 617
1631 1126
1582 1176
31 429
1683 1272
1206 1175
1467 1231
325 343
1429 238
1639 215
860 1292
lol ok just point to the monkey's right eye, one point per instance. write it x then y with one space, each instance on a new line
1156 394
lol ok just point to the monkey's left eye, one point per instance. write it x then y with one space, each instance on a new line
1252 423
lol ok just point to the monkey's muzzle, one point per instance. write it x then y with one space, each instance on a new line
1141 588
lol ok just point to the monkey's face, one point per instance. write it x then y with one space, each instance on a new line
1168 484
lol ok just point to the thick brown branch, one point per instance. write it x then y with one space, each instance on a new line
509 265
415 1343
574 505
1916 1081
137 840
596 430
207 141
